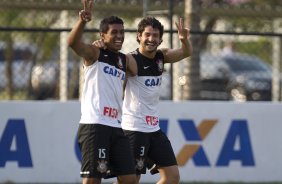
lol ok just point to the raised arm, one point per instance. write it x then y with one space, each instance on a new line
89 52
174 55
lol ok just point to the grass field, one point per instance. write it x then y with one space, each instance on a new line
222 183
9 182
227 183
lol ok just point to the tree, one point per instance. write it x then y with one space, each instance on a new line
21 19
239 15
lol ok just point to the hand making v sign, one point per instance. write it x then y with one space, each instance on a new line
85 14
183 33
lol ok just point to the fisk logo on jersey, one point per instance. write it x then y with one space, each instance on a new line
152 120
110 112
153 82
114 72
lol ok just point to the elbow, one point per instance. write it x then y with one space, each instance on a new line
189 52
73 41
70 42
73 44
187 49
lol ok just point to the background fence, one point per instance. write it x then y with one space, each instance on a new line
236 56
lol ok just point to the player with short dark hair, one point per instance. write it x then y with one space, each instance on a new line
140 119
104 147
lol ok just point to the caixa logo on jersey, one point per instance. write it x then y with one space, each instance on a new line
114 72
153 82
237 146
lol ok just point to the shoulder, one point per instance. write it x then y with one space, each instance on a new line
89 60
161 53
133 56
130 57
133 53
164 51
122 55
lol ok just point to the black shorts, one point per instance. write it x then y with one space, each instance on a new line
105 151
150 148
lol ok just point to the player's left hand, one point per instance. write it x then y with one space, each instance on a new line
99 44
183 33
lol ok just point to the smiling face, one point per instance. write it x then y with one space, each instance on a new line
114 37
149 39
149 35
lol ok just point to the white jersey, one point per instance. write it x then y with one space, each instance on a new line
101 101
140 112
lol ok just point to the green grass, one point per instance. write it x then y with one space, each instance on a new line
19 95
10 182
225 183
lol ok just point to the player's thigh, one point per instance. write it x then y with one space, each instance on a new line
94 143
127 179
161 152
121 155
139 143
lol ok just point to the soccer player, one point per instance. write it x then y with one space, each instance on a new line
104 147
140 119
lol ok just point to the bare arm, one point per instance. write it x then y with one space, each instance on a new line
174 55
131 65
89 52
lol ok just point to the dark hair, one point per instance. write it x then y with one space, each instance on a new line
104 24
150 21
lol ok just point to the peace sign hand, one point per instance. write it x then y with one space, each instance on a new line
85 14
183 33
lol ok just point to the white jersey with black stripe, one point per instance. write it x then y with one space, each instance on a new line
140 112
101 100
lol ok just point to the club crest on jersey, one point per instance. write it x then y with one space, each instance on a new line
139 163
119 63
102 166
160 65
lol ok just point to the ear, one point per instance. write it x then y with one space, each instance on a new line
161 41
139 35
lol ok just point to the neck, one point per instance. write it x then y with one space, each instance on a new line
148 54
115 51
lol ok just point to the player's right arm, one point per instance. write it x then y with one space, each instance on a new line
88 52
131 65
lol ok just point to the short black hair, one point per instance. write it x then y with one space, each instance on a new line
150 21
104 24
